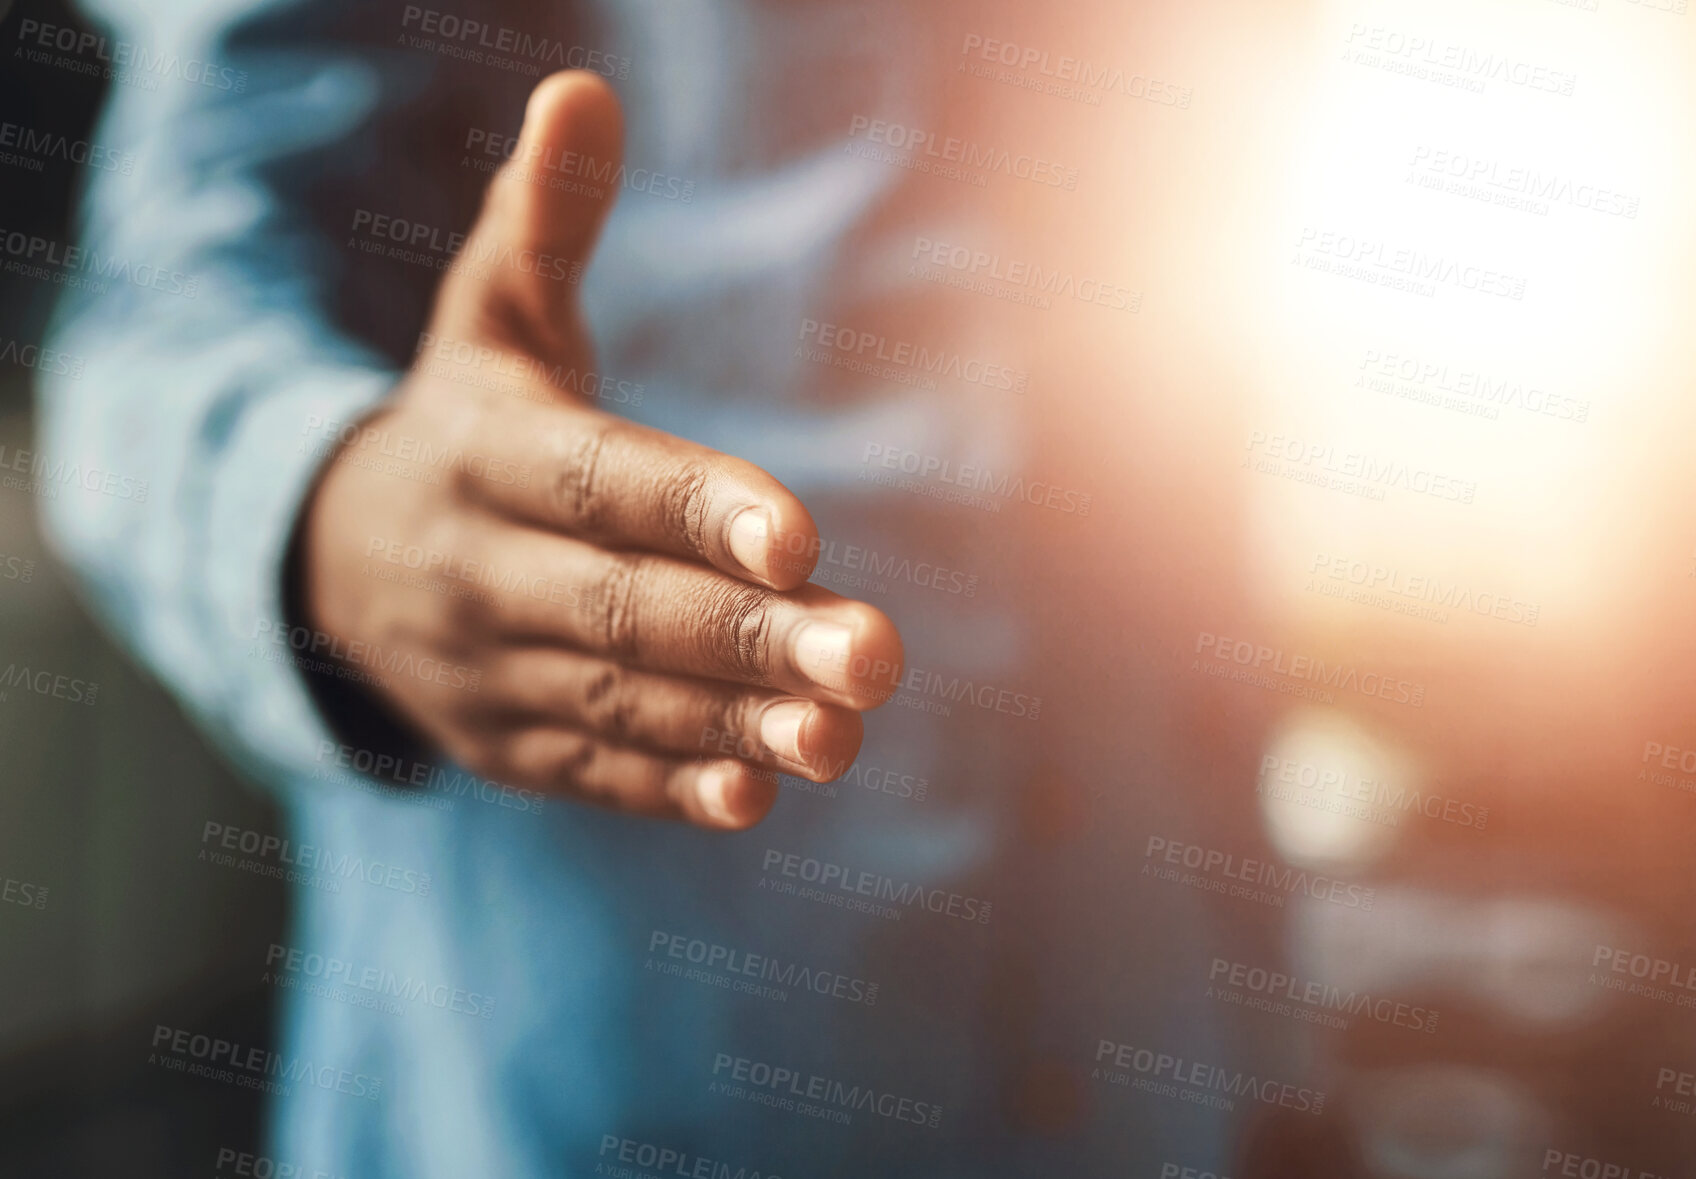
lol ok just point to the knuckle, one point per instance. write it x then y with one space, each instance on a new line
733 713
653 786
576 484
684 504
726 721
743 624
603 685
571 761
615 605
458 614
446 545
610 706
675 788
470 752
460 425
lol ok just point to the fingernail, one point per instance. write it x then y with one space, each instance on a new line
713 787
780 729
748 532
821 652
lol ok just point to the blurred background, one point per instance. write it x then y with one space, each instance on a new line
101 804
1259 366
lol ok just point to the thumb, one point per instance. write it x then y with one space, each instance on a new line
543 211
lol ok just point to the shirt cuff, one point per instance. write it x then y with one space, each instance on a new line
267 469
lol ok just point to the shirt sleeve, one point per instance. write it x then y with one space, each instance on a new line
209 296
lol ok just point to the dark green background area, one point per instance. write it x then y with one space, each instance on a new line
104 805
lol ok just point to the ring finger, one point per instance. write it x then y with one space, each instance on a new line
681 716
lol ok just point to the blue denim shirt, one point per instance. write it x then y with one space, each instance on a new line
480 982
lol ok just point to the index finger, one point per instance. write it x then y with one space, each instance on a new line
621 485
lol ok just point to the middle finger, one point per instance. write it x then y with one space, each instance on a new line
665 615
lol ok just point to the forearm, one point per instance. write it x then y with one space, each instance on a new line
208 296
